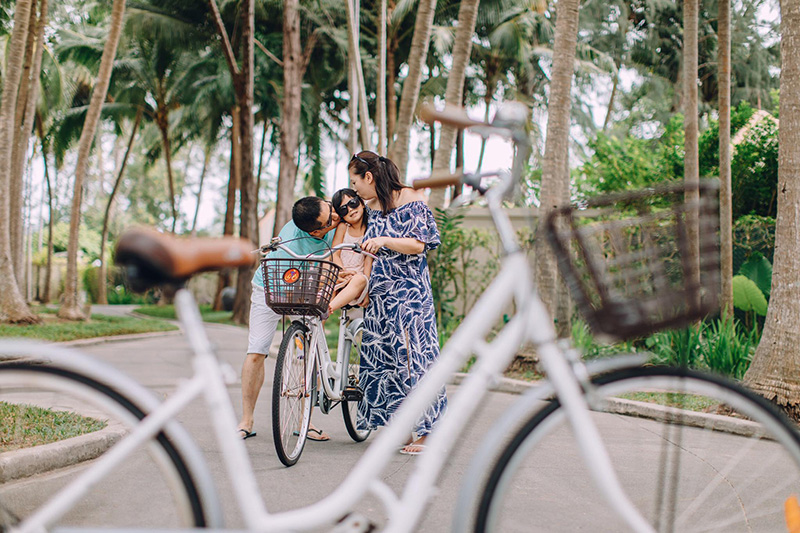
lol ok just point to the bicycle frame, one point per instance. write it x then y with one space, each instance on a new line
531 323
329 369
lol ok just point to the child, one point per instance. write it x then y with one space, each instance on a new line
354 277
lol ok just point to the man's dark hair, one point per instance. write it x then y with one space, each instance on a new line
305 213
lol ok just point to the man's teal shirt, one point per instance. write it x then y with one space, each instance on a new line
304 245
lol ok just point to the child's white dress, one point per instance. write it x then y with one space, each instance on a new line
353 261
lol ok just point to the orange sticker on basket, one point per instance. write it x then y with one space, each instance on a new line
291 275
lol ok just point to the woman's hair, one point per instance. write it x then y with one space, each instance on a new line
385 173
339 195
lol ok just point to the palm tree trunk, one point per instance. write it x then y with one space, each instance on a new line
611 100
32 97
354 54
261 155
555 177
248 222
51 213
380 115
454 94
206 160
487 101
774 370
398 151
224 279
18 151
163 128
725 200
293 71
12 305
691 164
71 310
102 296
391 72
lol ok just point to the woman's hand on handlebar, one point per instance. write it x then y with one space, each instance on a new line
373 245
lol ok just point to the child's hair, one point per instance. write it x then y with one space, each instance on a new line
339 195
385 173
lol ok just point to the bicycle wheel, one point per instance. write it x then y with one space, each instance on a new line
154 487
684 470
291 397
350 407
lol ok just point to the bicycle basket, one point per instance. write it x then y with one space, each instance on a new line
299 286
627 261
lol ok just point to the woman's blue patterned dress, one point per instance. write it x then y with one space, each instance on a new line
400 340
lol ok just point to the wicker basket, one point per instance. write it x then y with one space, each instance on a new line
627 261
299 286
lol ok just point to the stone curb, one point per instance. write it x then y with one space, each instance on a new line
653 411
119 338
26 462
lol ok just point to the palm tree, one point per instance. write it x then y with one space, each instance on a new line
691 162
454 94
774 370
725 201
12 304
295 62
555 173
102 277
71 310
398 148
19 149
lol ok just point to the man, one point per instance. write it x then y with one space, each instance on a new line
311 217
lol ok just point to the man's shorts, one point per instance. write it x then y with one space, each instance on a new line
263 323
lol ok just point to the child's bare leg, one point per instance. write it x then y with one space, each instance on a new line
350 292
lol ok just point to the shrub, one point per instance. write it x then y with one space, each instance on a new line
728 350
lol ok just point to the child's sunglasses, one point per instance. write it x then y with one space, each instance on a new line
343 209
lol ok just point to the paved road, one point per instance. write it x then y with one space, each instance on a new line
160 362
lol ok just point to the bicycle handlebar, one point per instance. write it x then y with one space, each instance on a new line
450 115
439 179
276 244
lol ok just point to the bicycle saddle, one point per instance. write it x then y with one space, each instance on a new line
151 258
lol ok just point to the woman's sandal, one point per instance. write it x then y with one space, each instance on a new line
412 452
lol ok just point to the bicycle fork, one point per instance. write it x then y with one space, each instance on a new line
590 444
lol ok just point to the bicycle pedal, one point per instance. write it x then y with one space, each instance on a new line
354 523
353 394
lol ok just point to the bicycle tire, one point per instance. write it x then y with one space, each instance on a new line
683 471
142 488
350 408
292 400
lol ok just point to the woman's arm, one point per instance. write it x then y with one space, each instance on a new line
403 245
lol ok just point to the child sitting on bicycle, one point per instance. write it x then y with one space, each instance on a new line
353 282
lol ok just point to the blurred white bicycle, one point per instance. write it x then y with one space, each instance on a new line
555 460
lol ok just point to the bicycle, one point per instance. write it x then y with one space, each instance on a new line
304 285
660 493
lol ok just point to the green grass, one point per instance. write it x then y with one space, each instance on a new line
168 312
23 426
688 402
57 330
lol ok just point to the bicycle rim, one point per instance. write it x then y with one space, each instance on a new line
152 488
350 408
291 400
719 458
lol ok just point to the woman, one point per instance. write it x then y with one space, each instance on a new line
400 339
